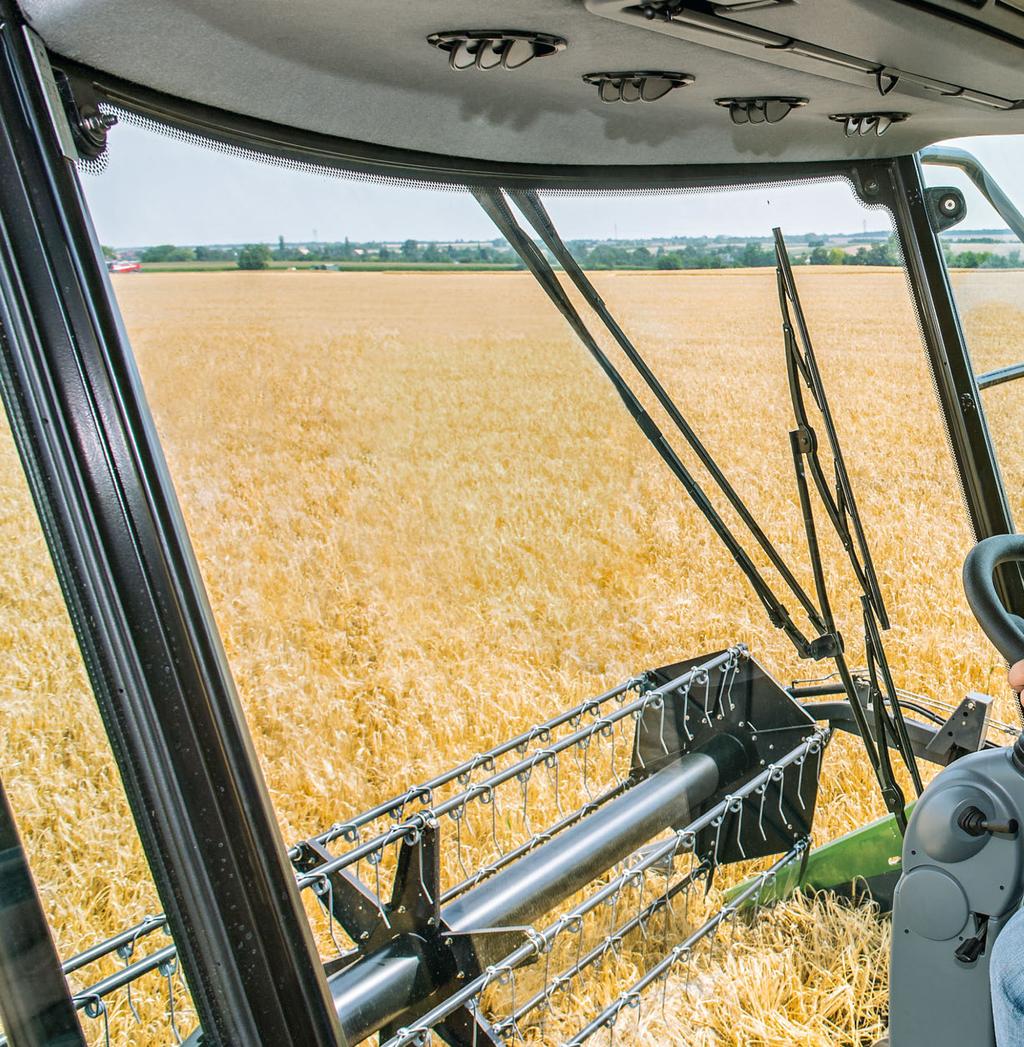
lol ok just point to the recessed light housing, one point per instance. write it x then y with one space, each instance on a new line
636 86
760 110
494 48
866 123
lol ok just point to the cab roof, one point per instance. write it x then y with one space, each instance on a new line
386 72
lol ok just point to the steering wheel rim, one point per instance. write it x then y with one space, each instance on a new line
1004 629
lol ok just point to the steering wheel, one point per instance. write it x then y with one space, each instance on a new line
1005 630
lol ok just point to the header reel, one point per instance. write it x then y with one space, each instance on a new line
456 913
722 767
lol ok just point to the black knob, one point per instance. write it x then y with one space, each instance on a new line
971 949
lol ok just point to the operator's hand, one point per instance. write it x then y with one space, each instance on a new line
1017 677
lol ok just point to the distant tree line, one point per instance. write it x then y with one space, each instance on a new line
883 253
251 256
173 253
710 255
983 259
697 253
887 253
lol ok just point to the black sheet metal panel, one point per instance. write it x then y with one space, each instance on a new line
124 561
767 722
901 186
35 1005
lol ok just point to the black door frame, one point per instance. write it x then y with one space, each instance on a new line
956 384
116 534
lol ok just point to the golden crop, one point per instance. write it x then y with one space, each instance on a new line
425 522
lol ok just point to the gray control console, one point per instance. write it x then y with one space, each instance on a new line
963 875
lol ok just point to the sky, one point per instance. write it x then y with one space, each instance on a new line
158 189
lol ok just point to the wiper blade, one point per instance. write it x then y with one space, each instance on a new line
531 207
839 503
841 509
495 204
838 500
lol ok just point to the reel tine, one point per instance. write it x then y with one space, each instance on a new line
763 790
524 785
738 811
613 757
516 1031
718 823
168 969
782 782
493 800
546 990
125 952
659 705
374 858
686 711
329 912
96 1007
705 680
579 943
553 763
423 877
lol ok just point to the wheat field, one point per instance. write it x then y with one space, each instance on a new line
425 522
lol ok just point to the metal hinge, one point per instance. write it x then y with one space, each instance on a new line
73 105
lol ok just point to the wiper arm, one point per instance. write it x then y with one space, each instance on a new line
496 206
841 508
801 363
530 205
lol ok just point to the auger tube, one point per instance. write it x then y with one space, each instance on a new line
375 990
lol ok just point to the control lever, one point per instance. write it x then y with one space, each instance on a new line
975 822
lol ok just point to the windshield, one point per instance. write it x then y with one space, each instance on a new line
426 522
985 257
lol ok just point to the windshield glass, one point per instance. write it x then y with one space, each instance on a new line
985 257
426 523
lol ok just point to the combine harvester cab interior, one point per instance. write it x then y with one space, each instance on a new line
670 775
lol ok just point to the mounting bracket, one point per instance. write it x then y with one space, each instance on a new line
946 207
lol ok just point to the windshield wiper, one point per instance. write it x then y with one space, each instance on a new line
839 502
496 205
841 509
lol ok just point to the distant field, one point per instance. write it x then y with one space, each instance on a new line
425 522
999 247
